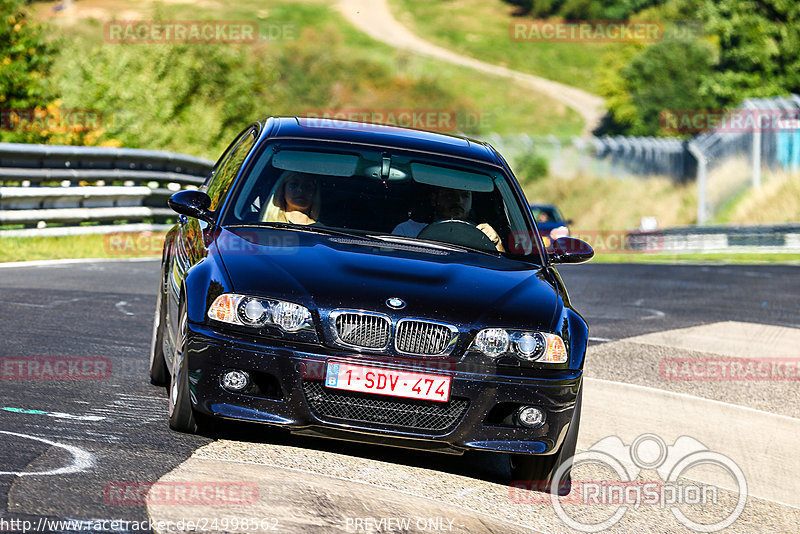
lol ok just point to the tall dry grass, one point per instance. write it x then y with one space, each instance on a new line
611 204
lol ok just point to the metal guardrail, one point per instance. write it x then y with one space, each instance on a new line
149 177
43 185
783 238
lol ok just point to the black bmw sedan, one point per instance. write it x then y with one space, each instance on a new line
374 284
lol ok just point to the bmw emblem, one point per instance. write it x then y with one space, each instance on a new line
396 303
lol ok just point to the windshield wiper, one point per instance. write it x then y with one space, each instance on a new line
297 227
432 244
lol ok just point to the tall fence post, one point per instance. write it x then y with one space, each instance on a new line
702 169
756 158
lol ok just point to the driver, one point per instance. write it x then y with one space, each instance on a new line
445 204
295 199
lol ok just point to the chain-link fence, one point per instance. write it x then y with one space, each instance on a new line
606 157
730 152
751 145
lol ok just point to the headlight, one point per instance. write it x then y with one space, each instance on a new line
528 346
255 311
492 341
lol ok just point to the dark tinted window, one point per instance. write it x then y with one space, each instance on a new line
366 190
228 169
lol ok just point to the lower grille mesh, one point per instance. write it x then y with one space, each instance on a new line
344 406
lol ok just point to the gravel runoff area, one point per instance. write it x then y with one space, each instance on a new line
664 360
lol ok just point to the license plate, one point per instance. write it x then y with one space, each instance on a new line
386 382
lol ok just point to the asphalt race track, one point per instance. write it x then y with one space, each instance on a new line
67 445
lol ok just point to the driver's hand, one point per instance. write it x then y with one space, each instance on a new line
487 229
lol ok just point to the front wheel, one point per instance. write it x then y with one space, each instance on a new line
181 415
539 470
159 374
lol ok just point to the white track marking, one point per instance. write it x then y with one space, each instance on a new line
70 261
120 306
81 460
729 338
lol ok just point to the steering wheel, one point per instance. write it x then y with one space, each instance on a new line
457 232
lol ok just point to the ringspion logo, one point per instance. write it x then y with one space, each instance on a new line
627 486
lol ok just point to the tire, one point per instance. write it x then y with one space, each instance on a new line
539 470
181 415
159 374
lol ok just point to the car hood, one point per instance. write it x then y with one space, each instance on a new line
322 271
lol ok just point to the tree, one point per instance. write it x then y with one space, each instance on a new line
746 48
25 59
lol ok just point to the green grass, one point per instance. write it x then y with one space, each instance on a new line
195 98
480 28
129 245
745 258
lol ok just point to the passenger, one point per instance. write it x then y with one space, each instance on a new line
446 203
295 199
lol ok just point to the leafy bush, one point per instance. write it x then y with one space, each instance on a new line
583 9
25 61
531 168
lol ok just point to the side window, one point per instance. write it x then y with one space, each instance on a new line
228 169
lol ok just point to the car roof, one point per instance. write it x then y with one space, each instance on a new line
381 135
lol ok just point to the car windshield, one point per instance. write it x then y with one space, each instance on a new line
390 195
544 214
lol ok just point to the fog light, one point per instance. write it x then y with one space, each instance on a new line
235 380
530 416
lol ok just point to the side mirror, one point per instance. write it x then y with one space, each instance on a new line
192 204
571 250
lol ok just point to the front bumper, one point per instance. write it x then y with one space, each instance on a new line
291 396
